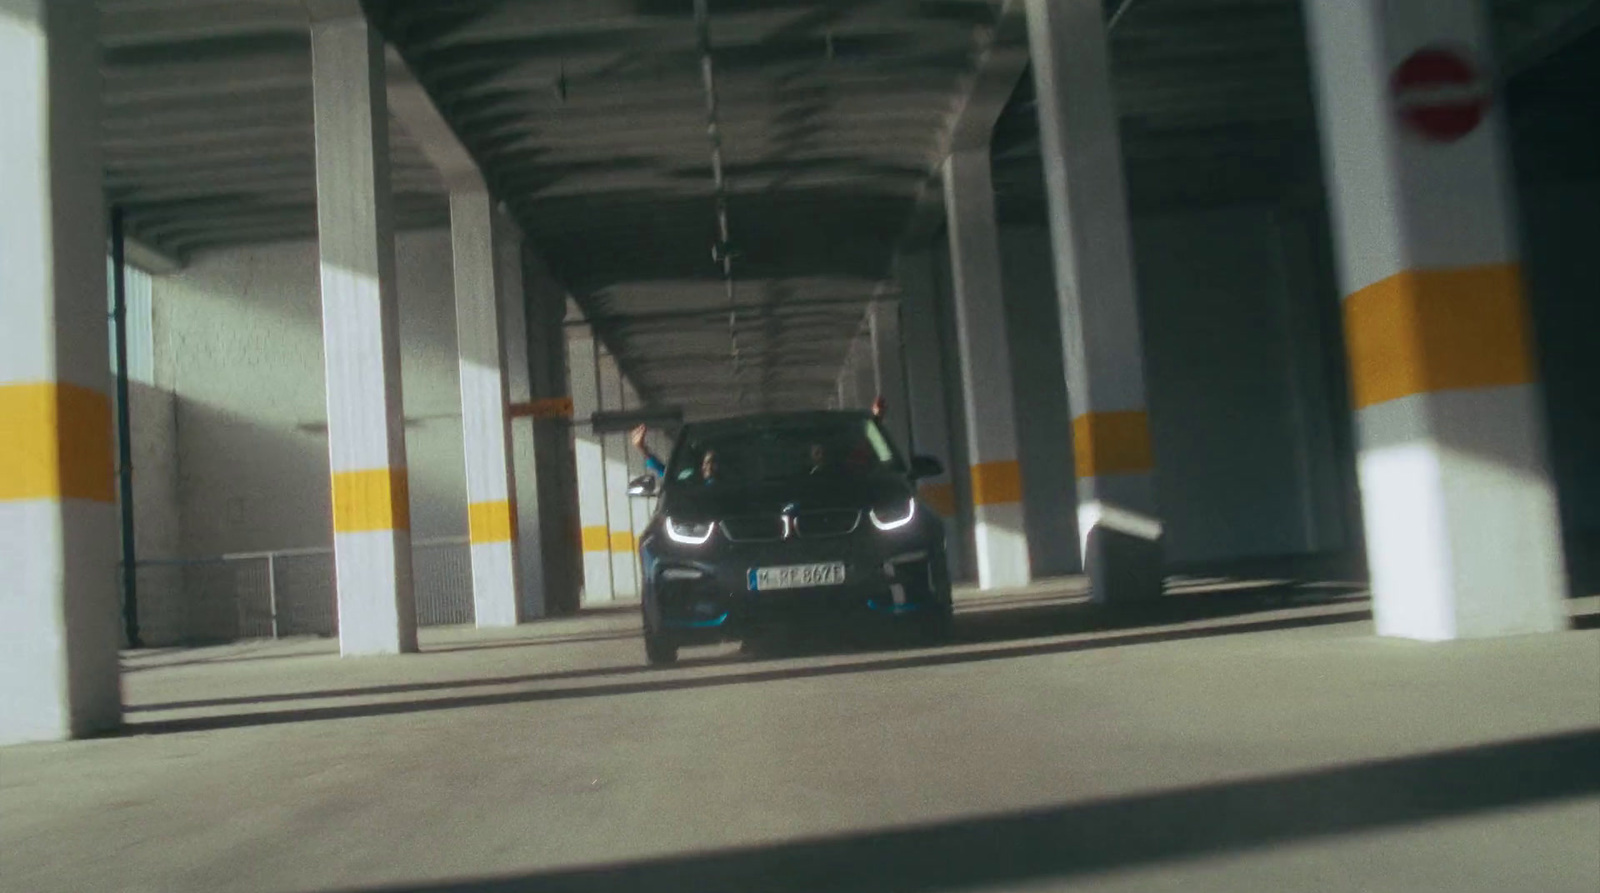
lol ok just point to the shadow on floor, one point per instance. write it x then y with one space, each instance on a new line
131 664
1080 839
1010 619
1004 633
533 643
397 688
1018 621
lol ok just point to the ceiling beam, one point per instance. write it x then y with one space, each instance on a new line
412 107
134 22
999 70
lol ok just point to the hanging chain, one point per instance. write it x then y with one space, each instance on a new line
723 251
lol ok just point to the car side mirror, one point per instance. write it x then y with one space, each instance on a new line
644 486
925 467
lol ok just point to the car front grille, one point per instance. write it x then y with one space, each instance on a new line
806 525
754 529
815 525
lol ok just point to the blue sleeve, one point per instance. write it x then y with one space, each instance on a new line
654 466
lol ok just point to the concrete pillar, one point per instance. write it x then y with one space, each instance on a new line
866 376
624 561
590 462
1118 527
485 391
526 466
888 366
641 509
59 627
1461 525
361 340
999 533
926 400
547 500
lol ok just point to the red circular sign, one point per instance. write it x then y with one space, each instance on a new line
1439 94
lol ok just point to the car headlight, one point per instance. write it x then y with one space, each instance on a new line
893 518
690 533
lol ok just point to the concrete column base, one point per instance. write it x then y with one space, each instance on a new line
1123 568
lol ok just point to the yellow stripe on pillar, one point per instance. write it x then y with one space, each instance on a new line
622 541
1112 443
997 483
375 499
940 497
58 443
596 539
1422 331
491 522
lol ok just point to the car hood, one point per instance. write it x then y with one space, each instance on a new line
714 501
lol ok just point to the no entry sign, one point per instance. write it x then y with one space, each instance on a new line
1440 94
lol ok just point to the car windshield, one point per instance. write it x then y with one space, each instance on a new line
766 452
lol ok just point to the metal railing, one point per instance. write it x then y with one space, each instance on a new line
285 592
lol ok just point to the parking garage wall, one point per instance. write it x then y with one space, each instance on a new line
1243 364
1561 232
241 407
1242 422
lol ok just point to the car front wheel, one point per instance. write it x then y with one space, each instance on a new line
939 625
659 650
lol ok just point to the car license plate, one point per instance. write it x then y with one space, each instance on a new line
797 576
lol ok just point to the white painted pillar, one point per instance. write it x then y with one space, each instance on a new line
624 561
1462 534
589 458
59 627
1118 525
926 401
360 332
999 533
641 509
486 432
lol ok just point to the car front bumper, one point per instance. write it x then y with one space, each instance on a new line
708 597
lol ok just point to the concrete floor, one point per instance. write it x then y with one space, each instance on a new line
1232 741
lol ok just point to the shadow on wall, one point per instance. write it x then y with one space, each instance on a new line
1075 840
1561 229
1230 399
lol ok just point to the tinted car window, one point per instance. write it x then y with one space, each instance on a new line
768 452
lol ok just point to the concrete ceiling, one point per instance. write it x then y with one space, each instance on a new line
589 118
208 125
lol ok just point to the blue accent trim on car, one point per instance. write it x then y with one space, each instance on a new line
894 608
697 624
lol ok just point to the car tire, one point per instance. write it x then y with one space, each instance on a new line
939 626
660 651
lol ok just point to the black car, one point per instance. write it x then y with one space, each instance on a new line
770 521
